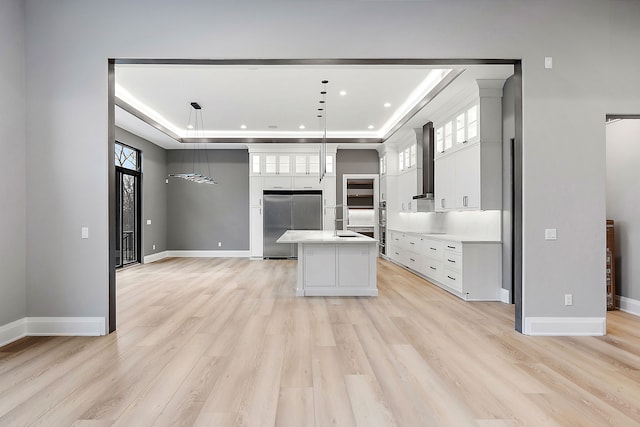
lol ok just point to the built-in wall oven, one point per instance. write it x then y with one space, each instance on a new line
382 228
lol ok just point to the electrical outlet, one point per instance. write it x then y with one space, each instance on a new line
548 62
85 232
154 247
219 244
568 299
550 234
148 222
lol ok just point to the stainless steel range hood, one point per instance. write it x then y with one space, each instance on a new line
425 142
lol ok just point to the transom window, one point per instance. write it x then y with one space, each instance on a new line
127 157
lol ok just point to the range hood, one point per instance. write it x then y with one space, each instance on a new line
426 168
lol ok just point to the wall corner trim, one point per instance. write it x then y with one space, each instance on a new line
505 296
66 326
209 254
628 305
155 257
565 326
12 331
52 326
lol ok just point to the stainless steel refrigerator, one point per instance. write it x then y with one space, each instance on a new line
289 210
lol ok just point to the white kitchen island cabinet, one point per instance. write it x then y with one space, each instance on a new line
331 264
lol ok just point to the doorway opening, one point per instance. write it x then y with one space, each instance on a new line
360 63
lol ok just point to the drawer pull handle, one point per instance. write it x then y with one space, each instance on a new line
412 259
433 249
451 260
433 268
396 253
452 278
451 247
412 243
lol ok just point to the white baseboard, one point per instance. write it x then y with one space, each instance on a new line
74 326
12 331
52 326
565 326
155 257
628 305
505 296
209 254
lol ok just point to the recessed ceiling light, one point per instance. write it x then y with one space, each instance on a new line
301 127
370 127
387 104
243 126
343 92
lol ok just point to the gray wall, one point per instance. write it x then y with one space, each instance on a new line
154 191
508 132
354 161
68 43
12 163
201 215
623 176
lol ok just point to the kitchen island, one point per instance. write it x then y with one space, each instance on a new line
334 264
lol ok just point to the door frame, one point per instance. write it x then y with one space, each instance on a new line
517 64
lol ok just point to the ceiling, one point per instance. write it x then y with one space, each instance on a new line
365 104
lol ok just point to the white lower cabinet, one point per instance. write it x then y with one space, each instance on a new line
468 269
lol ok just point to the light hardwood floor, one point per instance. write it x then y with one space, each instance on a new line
217 342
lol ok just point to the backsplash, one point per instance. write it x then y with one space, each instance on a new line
475 224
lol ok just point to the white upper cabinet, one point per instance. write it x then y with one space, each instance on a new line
407 158
306 164
458 130
277 164
255 163
469 172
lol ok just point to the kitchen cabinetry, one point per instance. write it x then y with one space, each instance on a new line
329 202
471 270
288 167
307 183
307 164
469 179
277 164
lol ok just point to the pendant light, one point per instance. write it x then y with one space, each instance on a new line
196 174
322 116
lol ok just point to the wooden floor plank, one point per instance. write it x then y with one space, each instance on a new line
225 342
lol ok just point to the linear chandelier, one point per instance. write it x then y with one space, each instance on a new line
196 174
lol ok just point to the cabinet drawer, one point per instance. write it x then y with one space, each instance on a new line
452 246
411 242
453 261
306 183
412 260
452 279
277 183
433 269
432 248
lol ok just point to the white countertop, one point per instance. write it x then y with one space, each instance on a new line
451 237
323 236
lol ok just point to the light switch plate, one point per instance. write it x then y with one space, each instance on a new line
148 222
548 62
550 234
85 232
